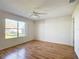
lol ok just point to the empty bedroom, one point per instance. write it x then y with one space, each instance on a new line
39 29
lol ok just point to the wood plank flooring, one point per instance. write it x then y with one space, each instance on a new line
38 50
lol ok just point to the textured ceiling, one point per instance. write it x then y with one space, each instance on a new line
52 8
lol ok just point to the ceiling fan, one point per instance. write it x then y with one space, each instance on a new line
36 13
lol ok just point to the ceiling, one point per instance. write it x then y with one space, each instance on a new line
52 8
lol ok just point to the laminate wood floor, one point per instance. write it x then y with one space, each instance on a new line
38 50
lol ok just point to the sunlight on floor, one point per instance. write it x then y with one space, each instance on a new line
21 54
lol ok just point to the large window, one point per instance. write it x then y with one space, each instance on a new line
14 29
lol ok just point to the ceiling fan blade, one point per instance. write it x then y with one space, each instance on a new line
31 15
42 13
38 12
34 15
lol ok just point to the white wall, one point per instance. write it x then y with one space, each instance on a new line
11 42
56 30
76 29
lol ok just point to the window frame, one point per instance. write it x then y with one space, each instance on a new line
16 29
